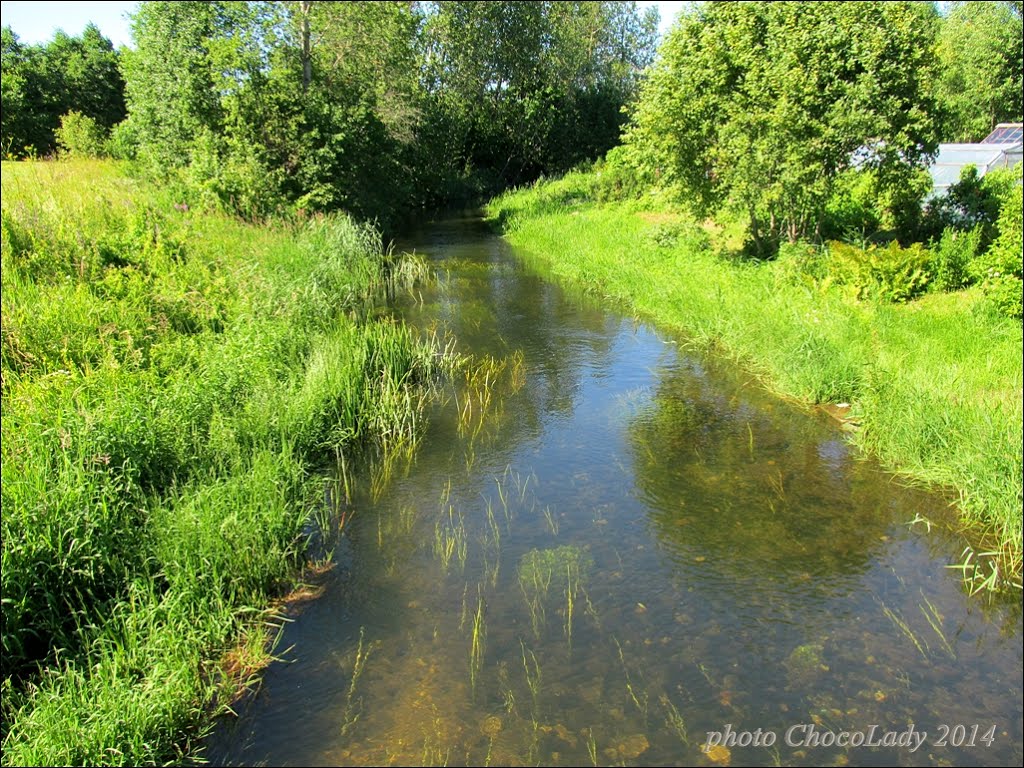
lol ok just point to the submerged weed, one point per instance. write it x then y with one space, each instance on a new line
478 640
450 540
566 566
354 705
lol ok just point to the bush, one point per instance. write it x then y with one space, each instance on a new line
1000 269
800 263
680 232
80 136
892 273
1003 295
972 202
618 178
900 207
863 209
123 143
953 256
852 207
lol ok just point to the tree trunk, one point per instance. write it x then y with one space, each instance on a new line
755 230
307 46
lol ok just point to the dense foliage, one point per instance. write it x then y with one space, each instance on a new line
981 48
376 107
758 107
169 380
379 108
41 83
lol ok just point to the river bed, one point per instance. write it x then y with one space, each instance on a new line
618 550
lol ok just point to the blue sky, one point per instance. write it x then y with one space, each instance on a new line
36 22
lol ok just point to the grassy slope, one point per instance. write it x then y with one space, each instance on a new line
935 385
168 380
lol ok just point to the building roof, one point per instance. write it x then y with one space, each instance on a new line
952 159
1005 133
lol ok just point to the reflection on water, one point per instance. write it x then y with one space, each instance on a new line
617 550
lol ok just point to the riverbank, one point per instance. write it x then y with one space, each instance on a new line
934 384
171 379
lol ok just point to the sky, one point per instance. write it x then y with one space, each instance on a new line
36 22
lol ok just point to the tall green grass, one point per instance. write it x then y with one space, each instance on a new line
935 383
169 381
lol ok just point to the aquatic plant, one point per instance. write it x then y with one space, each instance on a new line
674 720
591 742
450 539
934 619
804 665
981 571
567 566
477 641
639 701
353 705
492 545
533 680
551 520
901 624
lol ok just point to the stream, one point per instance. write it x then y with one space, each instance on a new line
617 552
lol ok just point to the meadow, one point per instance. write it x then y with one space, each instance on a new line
173 382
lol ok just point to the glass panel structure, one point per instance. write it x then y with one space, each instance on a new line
1005 133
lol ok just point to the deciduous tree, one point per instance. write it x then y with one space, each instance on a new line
982 83
758 106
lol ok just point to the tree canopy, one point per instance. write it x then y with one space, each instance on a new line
982 55
374 107
759 106
40 83
379 107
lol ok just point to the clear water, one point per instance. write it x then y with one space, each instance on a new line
654 549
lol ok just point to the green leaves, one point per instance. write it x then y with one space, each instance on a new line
758 106
43 82
376 108
982 78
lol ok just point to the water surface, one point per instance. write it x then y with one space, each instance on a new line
626 548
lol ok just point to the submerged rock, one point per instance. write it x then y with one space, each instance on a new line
718 754
491 726
629 748
804 665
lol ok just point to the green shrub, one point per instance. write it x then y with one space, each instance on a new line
617 178
800 263
900 207
1000 269
853 206
972 202
679 233
953 255
1003 295
80 136
123 142
891 273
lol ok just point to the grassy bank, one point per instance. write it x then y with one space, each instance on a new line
934 383
169 380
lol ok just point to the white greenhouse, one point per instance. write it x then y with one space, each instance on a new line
1000 149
